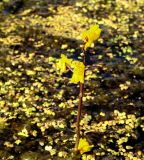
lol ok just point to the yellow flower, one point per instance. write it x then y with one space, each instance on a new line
63 63
91 35
78 72
84 146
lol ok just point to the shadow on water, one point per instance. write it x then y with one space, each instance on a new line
13 7
42 7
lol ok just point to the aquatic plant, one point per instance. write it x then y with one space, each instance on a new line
78 69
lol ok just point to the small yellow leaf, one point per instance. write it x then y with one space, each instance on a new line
64 46
18 141
110 55
110 23
30 72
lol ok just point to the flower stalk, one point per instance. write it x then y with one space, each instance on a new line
78 68
80 105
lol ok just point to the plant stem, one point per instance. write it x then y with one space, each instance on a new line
80 104
79 115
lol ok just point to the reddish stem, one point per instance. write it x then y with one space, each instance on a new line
80 104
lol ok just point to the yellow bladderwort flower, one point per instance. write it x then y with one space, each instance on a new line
63 64
91 35
78 72
84 146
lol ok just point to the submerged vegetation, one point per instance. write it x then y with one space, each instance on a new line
38 106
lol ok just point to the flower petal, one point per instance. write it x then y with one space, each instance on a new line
84 146
91 35
78 72
63 63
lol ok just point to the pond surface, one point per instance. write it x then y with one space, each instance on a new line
38 106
